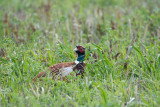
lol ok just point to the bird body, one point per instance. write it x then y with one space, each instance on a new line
61 70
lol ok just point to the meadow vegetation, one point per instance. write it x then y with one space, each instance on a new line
122 41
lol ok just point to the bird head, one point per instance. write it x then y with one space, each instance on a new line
80 50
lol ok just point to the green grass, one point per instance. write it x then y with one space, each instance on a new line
122 40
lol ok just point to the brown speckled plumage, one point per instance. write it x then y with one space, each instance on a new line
57 70
80 68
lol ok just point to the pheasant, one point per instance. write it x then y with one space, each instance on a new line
61 70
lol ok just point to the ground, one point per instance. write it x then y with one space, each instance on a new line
122 41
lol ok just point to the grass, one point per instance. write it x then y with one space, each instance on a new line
122 40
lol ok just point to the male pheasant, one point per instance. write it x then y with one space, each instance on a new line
61 70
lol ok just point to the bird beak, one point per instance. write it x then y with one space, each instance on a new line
75 49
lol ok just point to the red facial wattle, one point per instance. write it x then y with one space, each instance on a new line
81 51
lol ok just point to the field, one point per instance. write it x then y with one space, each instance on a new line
122 41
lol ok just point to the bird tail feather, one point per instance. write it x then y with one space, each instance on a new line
41 74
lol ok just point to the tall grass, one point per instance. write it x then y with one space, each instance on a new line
122 41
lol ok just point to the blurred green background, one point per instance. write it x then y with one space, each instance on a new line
122 40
